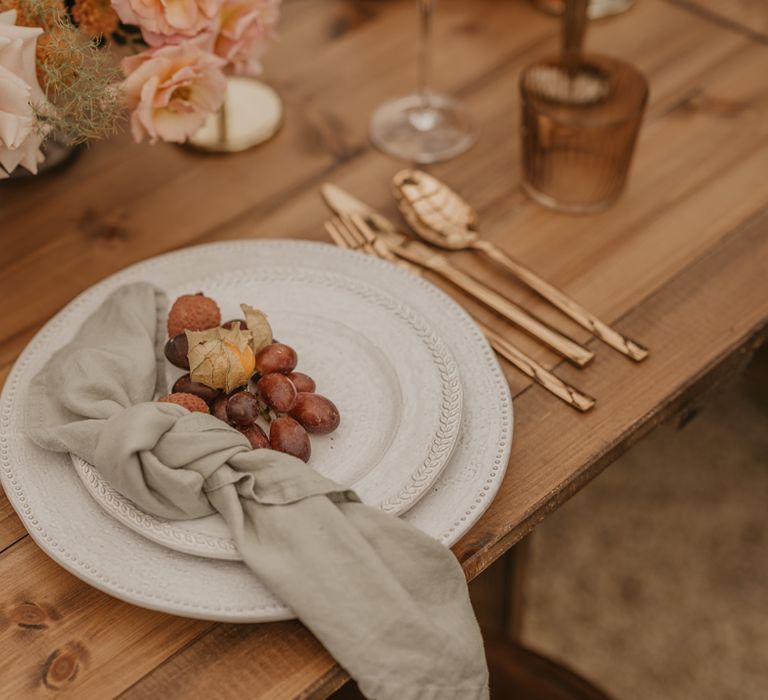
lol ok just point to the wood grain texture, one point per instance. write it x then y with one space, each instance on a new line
672 264
556 451
747 16
57 634
669 320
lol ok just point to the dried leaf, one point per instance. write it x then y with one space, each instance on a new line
221 358
259 326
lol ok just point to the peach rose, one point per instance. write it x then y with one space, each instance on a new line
20 137
159 19
172 91
245 27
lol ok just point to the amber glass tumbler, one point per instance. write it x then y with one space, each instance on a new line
579 132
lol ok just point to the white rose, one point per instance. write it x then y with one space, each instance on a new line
19 138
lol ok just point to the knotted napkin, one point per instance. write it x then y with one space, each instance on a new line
388 602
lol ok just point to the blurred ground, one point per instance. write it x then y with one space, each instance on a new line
653 580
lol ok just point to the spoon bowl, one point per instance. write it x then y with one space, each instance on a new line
434 211
443 218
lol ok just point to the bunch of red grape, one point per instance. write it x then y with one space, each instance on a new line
276 394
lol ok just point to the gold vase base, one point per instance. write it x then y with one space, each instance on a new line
252 114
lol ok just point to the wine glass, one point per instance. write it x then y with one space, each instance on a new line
426 127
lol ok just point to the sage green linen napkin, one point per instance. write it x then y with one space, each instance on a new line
389 602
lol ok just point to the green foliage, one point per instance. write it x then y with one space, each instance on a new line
80 79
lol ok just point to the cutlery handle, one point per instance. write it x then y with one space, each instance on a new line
512 312
563 302
537 372
501 345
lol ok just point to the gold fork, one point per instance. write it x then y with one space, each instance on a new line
382 235
348 233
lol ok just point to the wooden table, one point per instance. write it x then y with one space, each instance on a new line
680 263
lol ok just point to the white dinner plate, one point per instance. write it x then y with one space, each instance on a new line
69 525
394 381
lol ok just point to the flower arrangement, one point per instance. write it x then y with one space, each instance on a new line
59 71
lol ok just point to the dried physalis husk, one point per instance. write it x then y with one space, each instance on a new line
259 326
221 358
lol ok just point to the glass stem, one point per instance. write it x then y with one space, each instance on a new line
426 13
221 123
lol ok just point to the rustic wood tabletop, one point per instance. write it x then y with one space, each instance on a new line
680 263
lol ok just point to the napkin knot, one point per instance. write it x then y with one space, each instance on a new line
389 602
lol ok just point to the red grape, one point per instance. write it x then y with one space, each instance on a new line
276 357
176 350
302 382
286 435
185 384
243 408
316 413
219 408
256 436
277 391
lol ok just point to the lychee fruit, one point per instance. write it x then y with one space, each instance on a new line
188 401
193 312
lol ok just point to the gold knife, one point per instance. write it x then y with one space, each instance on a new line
381 231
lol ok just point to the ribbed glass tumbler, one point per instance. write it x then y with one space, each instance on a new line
579 131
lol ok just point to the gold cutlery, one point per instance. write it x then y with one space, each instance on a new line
383 233
345 233
443 218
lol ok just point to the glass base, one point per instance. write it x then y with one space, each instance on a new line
549 202
411 130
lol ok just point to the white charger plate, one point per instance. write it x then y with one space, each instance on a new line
394 381
75 531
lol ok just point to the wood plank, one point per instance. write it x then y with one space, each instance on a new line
155 188
57 634
689 345
93 214
288 219
557 450
690 126
271 653
639 244
85 235
11 529
686 194
747 16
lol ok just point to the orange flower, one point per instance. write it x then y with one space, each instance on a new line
49 41
95 16
49 8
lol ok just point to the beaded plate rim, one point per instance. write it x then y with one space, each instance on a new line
486 481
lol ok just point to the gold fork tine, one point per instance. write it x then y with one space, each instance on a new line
352 236
335 234
339 232
358 223
362 238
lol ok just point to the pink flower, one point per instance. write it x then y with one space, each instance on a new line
159 19
172 91
20 138
245 27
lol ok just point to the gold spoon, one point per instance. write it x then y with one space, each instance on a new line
441 217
